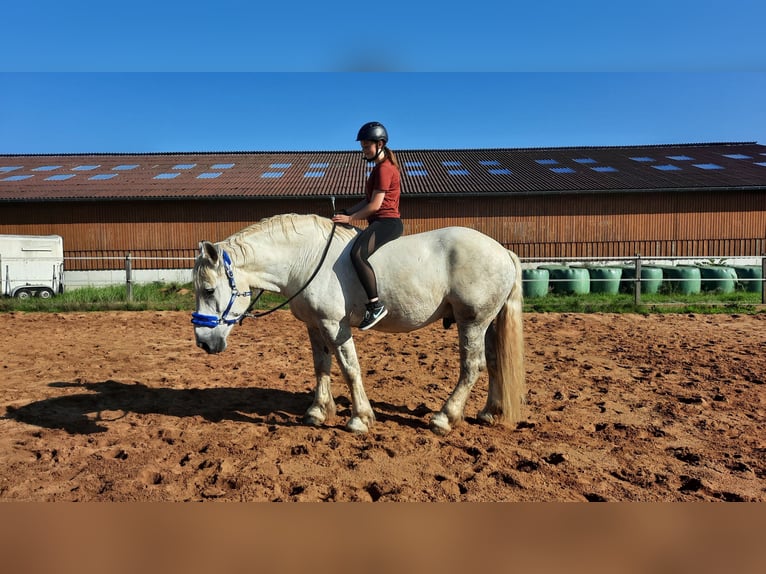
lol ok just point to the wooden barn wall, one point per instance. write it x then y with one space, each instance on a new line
607 225
97 235
158 234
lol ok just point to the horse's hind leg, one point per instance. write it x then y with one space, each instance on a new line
472 363
494 404
323 407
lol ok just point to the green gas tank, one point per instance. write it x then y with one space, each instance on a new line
651 279
684 279
605 279
749 278
718 278
567 280
535 282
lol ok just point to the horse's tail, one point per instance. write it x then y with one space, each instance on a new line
509 333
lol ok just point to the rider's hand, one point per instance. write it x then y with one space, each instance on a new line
341 217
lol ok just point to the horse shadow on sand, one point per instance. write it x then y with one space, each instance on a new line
91 411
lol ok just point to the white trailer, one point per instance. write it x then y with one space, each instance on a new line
31 265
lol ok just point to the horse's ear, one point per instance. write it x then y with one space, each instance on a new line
209 251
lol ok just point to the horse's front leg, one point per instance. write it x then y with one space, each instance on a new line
323 407
362 416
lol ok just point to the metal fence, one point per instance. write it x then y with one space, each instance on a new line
744 273
633 275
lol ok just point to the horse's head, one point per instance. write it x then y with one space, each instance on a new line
218 301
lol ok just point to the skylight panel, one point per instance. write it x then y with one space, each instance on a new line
125 167
458 172
546 161
314 174
272 174
680 157
60 177
501 171
222 166
184 166
643 159
104 176
320 165
761 163
489 162
166 175
17 177
280 165
451 163
603 168
585 160
46 168
8 168
562 170
708 166
417 172
737 156
85 167
667 167
209 175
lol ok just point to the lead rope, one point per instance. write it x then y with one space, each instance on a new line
247 312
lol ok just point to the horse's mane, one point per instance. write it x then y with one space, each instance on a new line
285 225
282 227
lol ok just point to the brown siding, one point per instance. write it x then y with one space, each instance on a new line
99 235
606 225
731 223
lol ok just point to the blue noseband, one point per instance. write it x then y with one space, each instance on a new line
201 320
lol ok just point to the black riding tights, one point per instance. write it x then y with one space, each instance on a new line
378 233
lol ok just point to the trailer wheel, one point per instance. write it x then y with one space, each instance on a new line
45 293
23 294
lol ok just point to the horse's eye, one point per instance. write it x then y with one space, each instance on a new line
209 292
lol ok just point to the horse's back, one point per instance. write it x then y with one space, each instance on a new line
477 264
426 275
460 250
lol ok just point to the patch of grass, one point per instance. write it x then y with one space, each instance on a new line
146 297
737 302
180 297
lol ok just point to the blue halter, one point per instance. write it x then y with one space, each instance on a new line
212 321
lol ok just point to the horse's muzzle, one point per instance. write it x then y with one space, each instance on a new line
213 347
204 346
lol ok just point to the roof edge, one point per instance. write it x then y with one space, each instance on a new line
452 195
293 152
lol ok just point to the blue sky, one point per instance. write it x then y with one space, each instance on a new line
88 76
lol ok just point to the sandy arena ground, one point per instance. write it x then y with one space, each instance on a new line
121 406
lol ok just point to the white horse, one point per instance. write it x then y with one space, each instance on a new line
455 274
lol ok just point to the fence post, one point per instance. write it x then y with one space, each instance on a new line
763 278
128 278
637 285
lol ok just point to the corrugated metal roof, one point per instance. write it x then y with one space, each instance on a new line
206 175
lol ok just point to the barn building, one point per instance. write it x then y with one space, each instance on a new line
702 200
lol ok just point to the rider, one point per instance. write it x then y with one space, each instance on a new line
381 210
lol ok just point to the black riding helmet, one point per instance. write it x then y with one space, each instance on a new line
373 132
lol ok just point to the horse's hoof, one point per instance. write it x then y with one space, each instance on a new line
486 417
440 425
312 420
314 417
357 426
